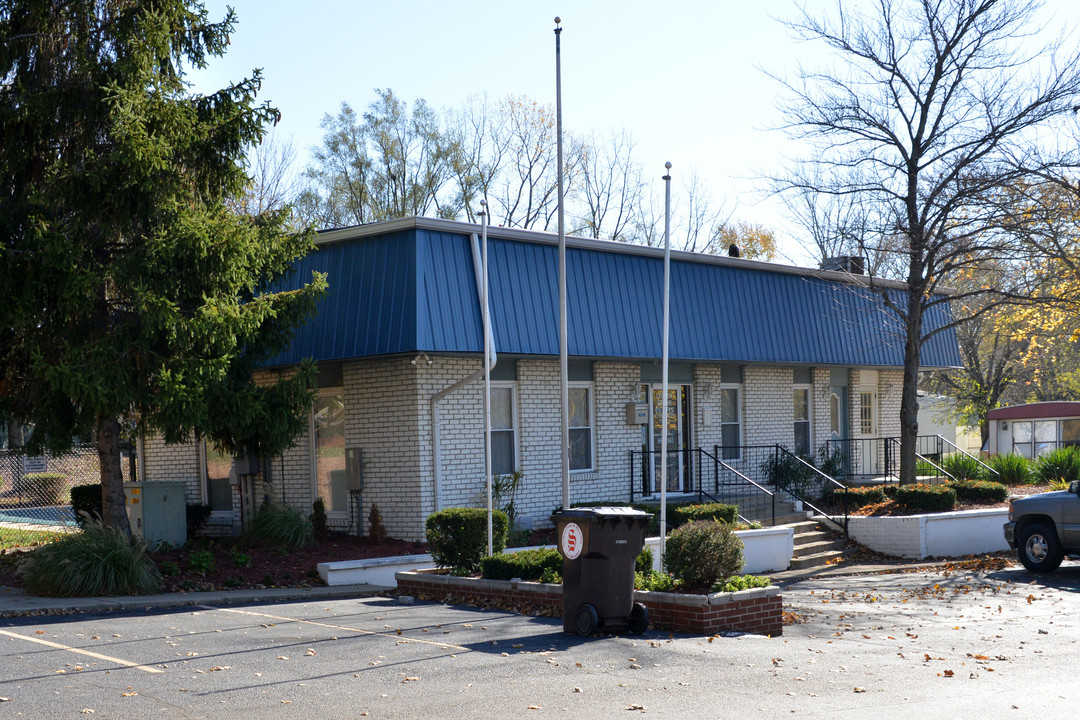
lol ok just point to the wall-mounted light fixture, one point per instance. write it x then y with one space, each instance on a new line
1004 424
425 357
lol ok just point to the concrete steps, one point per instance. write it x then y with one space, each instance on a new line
814 545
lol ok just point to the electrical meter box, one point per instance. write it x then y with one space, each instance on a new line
637 413
157 511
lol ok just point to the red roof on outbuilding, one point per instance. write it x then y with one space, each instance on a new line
1036 410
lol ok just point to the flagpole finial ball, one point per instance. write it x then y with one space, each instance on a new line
667 165
558 20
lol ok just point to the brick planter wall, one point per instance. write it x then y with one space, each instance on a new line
756 611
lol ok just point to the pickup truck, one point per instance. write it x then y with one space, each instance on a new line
1044 528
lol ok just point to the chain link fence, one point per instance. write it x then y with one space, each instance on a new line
35 492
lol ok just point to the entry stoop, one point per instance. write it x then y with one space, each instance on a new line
814 545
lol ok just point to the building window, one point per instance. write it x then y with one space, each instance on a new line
329 439
866 413
580 426
503 433
730 425
801 397
218 488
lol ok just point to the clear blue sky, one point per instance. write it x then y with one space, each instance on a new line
683 77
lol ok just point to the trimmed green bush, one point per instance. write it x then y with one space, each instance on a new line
702 552
858 497
656 581
86 499
97 561
277 526
708 511
932 498
1013 469
963 467
644 561
457 537
524 564
46 488
979 490
1060 464
743 582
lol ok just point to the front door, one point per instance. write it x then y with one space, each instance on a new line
868 429
679 470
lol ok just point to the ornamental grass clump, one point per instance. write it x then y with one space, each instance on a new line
703 552
97 561
1013 469
280 527
962 466
1060 464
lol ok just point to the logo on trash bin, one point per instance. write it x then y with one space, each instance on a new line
572 540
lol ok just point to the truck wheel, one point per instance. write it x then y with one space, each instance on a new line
1039 548
639 619
586 621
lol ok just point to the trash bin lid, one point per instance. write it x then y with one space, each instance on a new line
604 512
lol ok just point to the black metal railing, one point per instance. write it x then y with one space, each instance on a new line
800 479
691 471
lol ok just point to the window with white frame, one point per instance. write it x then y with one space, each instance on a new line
730 423
580 396
217 488
503 430
801 401
328 436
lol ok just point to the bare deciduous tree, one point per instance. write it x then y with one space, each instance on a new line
935 106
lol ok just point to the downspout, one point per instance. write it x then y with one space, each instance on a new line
436 445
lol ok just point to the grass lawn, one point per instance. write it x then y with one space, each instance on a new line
14 537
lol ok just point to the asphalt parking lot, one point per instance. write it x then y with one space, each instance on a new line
924 645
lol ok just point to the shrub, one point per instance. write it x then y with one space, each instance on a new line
201 561
962 466
46 488
786 472
376 529
979 490
932 498
170 569
97 561
1060 464
702 552
742 582
239 559
197 516
524 564
551 576
857 497
280 527
707 511
1013 469
457 537
86 499
644 561
318 519
658 582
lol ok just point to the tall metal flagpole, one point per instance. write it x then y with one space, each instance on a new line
564 399
487 373
664 362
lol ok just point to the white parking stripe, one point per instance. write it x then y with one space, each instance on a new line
99 656
391 636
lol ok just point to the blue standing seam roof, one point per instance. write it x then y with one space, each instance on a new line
415 290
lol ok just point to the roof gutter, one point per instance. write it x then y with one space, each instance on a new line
436 444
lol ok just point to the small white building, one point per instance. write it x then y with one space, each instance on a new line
761 354
1033 429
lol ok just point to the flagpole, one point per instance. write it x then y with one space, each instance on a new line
487 374
564 399
664 362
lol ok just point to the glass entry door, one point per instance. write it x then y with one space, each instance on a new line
678 437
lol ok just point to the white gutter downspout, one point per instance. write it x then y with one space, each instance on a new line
436 445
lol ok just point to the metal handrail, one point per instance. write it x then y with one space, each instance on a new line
965 452
744 478
781 450
934 465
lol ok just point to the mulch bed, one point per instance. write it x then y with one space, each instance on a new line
891 508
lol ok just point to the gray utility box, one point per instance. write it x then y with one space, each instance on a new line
157 511
599 546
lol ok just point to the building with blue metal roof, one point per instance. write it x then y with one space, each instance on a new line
761 353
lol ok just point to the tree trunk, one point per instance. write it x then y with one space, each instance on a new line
14 434
113 500
909 396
